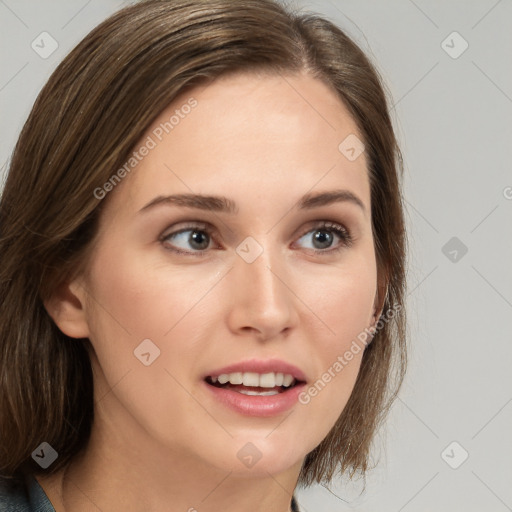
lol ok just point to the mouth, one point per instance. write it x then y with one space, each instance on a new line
256 387
255 384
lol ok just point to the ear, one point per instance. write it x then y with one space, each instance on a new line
380 301
67 309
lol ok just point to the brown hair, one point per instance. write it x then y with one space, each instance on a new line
84 124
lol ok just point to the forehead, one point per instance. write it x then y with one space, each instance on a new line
258 136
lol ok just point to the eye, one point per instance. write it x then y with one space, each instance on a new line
324 235
194 239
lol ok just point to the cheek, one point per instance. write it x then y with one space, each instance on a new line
132 300
342 310
136 296
341 301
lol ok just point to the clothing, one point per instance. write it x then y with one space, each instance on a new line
23 496
29 496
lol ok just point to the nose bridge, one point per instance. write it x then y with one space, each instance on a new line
262 301
258 270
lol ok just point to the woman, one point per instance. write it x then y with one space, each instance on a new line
202 274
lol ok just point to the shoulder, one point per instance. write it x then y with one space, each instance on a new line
13 496
18 495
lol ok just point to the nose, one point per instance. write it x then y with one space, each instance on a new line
262 301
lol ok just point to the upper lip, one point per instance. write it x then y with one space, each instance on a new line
260 366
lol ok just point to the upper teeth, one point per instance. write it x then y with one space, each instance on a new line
263 380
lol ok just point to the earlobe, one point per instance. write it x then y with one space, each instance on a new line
378 307
67 309
380 302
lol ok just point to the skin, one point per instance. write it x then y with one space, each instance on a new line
159 441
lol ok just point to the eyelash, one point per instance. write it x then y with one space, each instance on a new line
339 230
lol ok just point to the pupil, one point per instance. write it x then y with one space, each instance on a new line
322 237
196 236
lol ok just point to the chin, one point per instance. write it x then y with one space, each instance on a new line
258 454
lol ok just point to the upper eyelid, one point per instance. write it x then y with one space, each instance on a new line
188 225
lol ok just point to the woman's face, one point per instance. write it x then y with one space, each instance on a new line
255 282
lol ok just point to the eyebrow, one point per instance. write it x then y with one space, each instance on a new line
223 204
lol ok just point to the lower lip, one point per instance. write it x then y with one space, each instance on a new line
254 405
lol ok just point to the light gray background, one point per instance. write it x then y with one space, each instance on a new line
453 118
